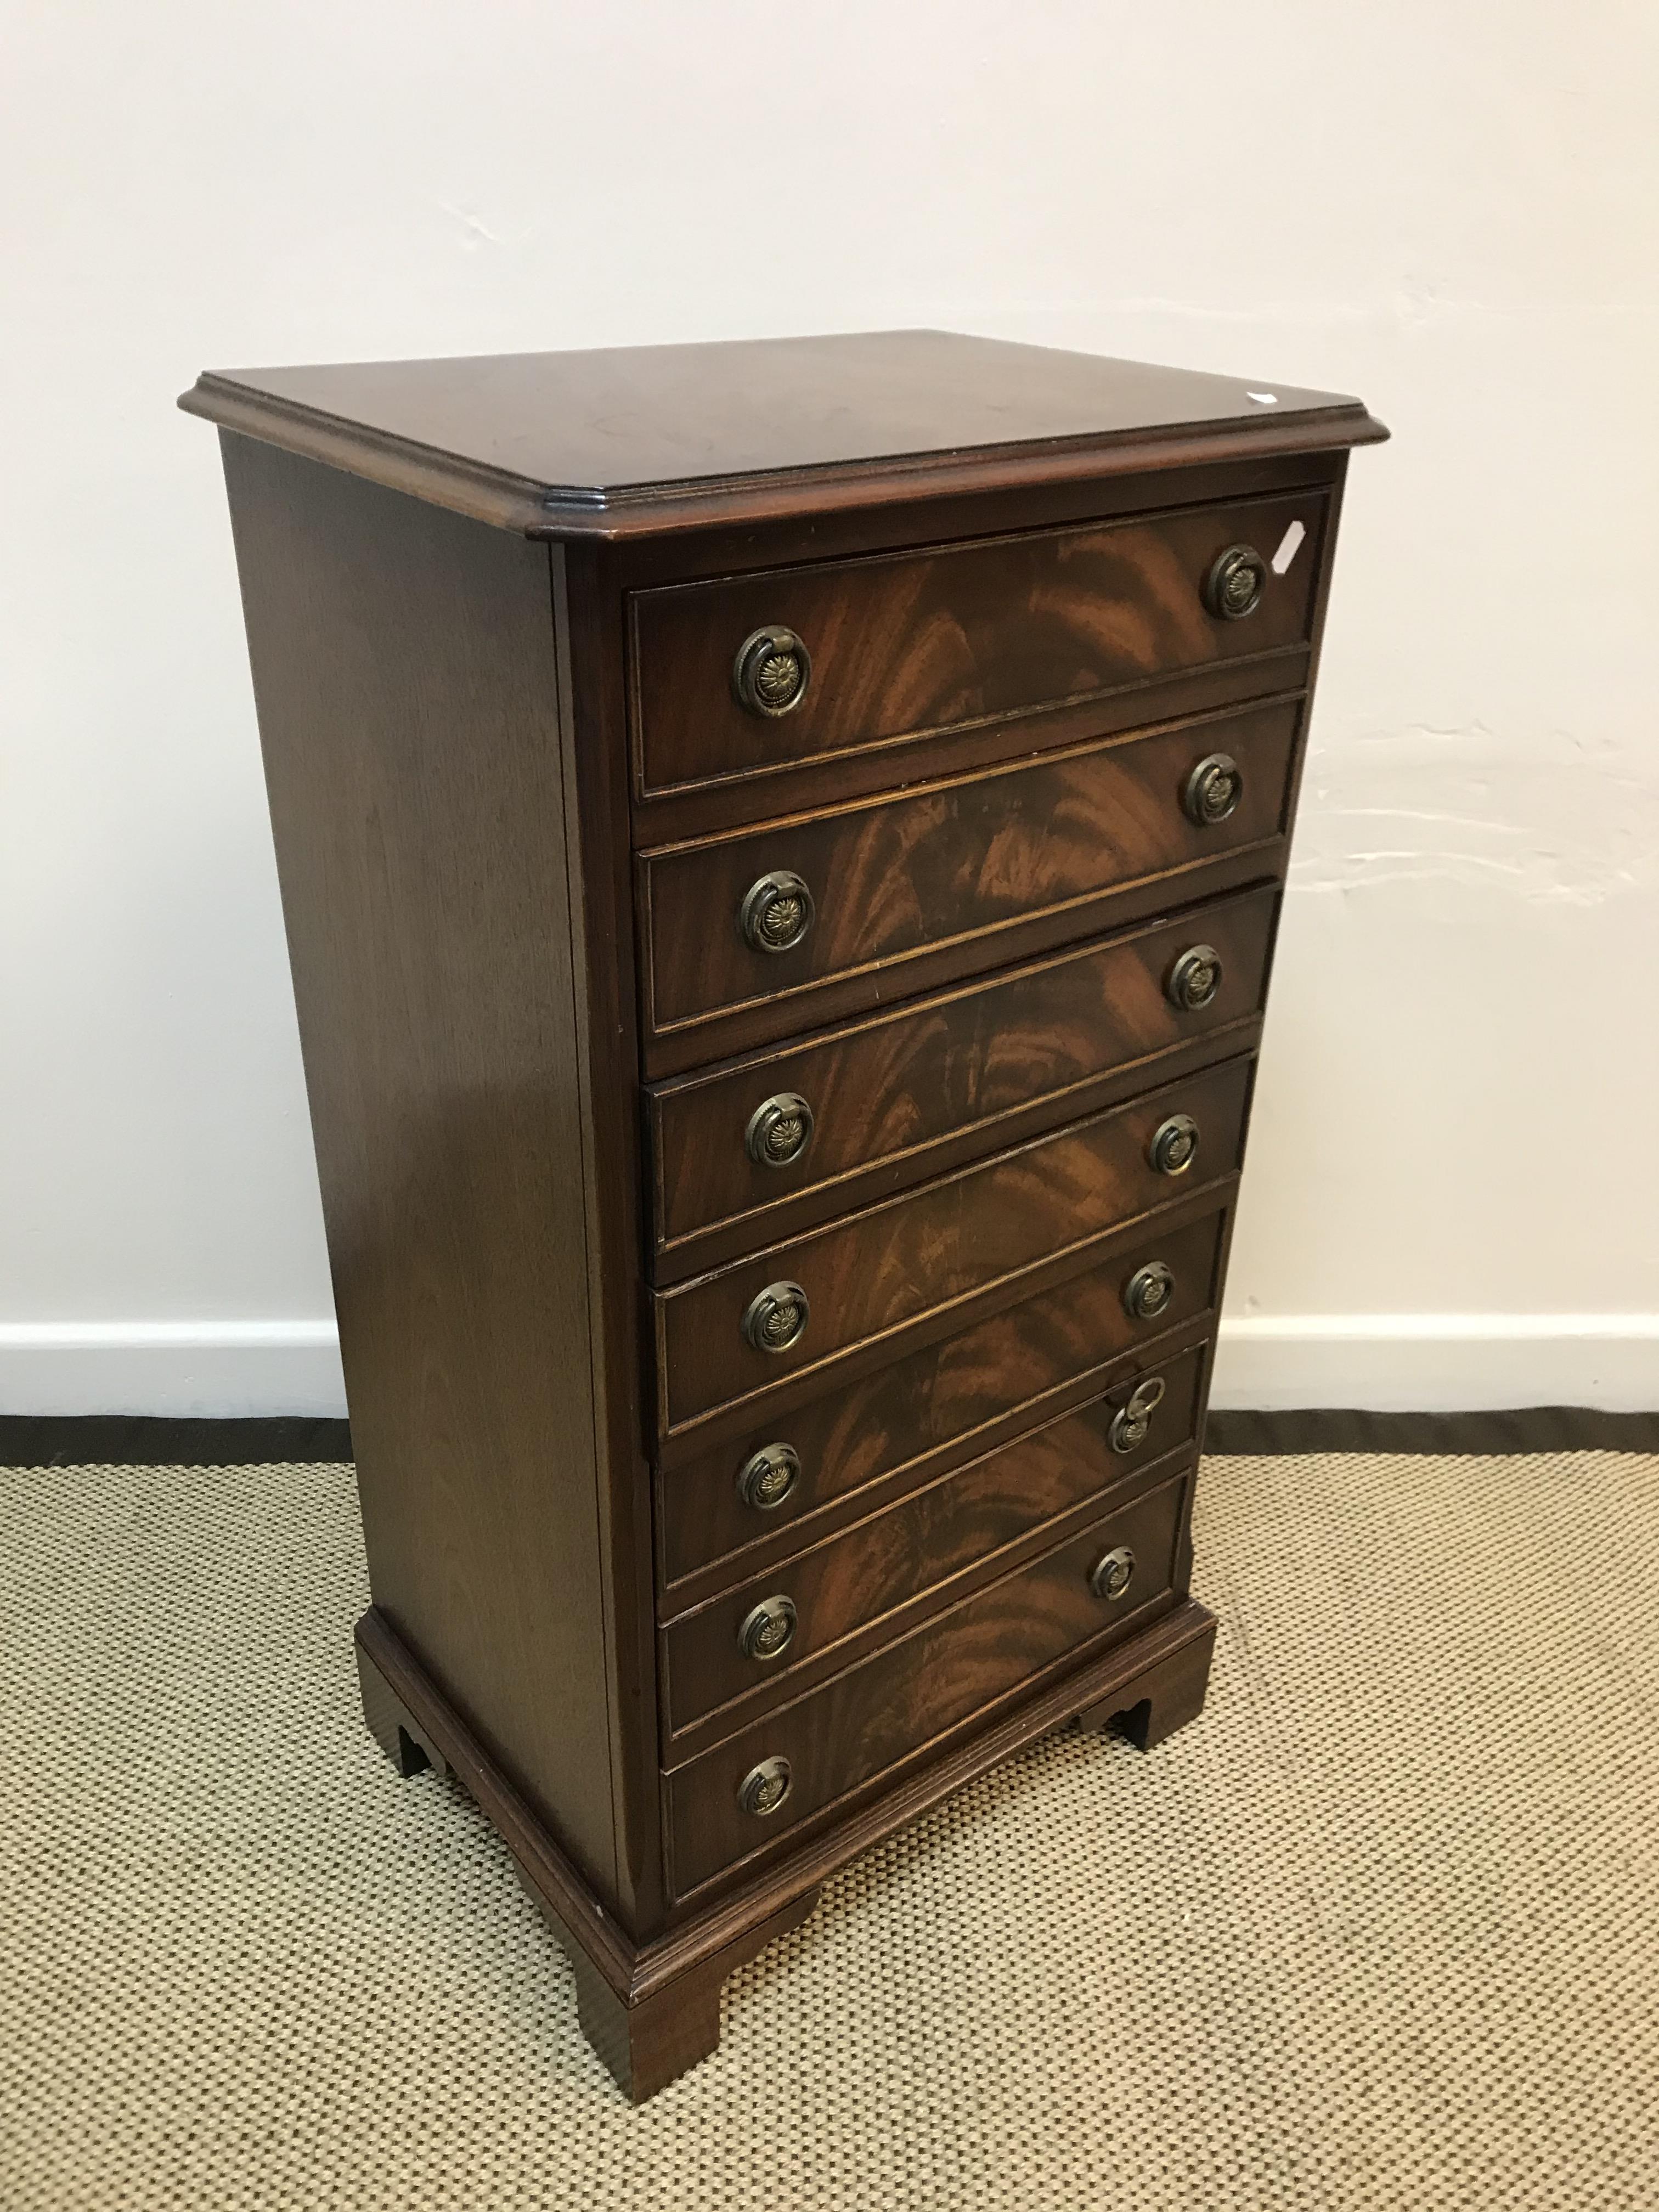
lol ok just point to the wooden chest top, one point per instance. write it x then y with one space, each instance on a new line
604 442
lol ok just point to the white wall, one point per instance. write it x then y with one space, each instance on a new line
1451 210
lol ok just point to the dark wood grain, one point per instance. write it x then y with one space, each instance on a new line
975 512
958 1664
987 1063
658 437
648 2011
978 509
874 1275
953 865
1165 1699
586 618
732 1918
827 779
909 645
405 677
863 1442
873 1579
393 1726
709 810
516 810
647 2039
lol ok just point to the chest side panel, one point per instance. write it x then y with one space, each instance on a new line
404 665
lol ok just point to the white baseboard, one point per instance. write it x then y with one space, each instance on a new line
1438 1363
215 1368
1386 1363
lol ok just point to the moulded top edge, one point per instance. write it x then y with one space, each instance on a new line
613 442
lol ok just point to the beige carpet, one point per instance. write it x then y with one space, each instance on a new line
1381 1930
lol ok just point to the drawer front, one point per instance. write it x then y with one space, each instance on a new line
953 863
882 1270
761 1642
887 1091
911 644
857 1446
946 1672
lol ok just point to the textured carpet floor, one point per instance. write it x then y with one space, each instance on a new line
1381 1929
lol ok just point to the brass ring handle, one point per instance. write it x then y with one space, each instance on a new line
779 1130
1133 1419
771 672
1194 979
1212 790
775 1318
1148 1291
1175 1145
1112 1575
764 1788
767 1629
777 912
767 1476
1235 581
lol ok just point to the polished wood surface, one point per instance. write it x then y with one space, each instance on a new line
586 626
858 1587
829 781
865 1440
1170 1694
516 810
1029 846
915 645
579 443
938 1248
957 1666
649 2010
1159 1672
424 890
897 1096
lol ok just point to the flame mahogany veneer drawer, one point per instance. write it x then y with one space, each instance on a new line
909 644
755 1646
953 864
857 1445
886 1092
869 1279
955 1667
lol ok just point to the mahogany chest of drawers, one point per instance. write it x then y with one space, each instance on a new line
781 846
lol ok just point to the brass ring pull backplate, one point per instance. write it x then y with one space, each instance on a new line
775 1318
764 1788
1235 581
777 912
779 1130
1212 790
771 672
1113 1574
1133 1419
1194 979
1175 1145
767 1476
1148 1291
767 1629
